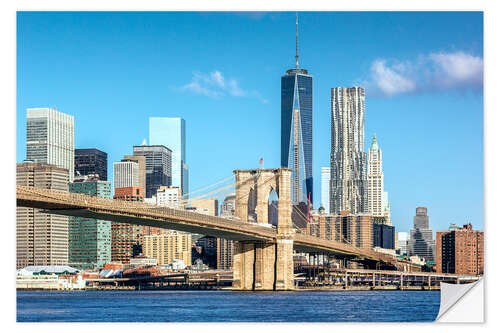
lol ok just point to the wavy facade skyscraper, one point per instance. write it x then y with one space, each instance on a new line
297 129
348 179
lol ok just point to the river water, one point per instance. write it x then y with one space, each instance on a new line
228 306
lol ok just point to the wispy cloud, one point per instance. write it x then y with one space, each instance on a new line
457 71
215 85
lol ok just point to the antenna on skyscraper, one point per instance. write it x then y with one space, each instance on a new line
296 40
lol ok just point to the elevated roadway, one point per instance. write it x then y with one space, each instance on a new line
139 213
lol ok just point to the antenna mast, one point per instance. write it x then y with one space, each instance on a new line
296 41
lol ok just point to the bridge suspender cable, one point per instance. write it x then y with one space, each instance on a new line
208 186
188 195
210 193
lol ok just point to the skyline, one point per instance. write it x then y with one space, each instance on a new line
226 88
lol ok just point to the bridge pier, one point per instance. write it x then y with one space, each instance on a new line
263 265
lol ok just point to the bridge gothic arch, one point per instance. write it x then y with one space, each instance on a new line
264 265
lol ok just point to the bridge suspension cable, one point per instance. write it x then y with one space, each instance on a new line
188 197
209 193
208 186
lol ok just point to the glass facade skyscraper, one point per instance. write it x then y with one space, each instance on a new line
421 241
89 239
296 131
50 138
91 161
171 132
158 167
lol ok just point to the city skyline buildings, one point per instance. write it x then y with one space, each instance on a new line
390 124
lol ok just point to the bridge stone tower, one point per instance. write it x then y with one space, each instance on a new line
264 265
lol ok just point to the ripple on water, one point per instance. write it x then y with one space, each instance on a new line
227 306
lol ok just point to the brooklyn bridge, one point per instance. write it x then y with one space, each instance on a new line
263 253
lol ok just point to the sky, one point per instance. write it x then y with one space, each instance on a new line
221 72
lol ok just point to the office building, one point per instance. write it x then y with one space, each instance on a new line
460 251
41 238
225 246
205 206
348 159
224 253
126 239
131 193
421 241
91 161
386 207
135 193
377 205
297 129
325 189
166 247
354 229
383 236
169 196
171 133
158 166
89 239
50 138
228 207
126 174
208 251
402 239
141 163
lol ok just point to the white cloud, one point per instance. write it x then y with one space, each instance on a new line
389 81
235 90
196 88
217 78
215 85
457 71
457 68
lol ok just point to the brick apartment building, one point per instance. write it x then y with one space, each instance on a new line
354 229
460 251
125 236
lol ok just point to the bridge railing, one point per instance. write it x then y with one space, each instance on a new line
141 209
136 208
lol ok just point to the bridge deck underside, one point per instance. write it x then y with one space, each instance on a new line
299 246
137 213
159 223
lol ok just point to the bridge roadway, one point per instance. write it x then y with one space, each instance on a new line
139 213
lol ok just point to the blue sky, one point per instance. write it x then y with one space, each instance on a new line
221 73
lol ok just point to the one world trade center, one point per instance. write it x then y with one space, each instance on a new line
297 129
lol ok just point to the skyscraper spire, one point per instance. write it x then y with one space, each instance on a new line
296 41
374 143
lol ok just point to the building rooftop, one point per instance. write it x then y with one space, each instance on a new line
30 270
